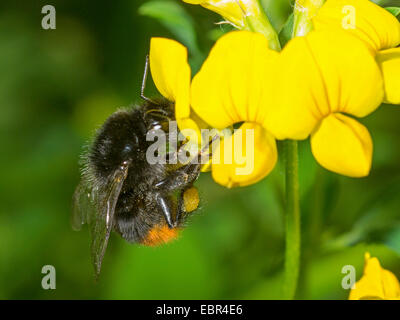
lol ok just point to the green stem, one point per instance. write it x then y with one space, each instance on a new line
258 21
304 12
292 254
262 25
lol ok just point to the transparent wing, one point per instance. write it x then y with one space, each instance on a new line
102 223
96 207
82 207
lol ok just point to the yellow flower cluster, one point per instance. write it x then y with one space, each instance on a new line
313 87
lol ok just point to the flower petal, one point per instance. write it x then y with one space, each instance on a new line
343 145
376 282
170 69
230 9
323 73
236 81
389 61
370 284
391 285
171 74
245 157
374 25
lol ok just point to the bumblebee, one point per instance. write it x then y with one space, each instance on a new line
121 191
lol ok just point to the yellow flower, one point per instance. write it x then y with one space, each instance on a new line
376 27
235 11
172 76
324 77
376 283
389 61
234 86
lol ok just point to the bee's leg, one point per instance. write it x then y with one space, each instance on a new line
180 212
180 178
186 175
164 204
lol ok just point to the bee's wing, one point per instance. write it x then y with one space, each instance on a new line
101 223
82 206
96 207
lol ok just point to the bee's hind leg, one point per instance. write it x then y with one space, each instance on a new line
181 211
164 204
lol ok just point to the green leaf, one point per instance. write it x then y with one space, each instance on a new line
286 33
172 16
394 10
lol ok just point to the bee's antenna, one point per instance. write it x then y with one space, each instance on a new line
146 70
205 149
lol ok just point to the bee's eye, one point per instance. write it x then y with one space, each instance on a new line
130 146
127 149
160 125
155 126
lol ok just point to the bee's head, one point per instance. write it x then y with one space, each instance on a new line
158 114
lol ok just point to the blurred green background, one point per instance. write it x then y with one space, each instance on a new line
58 86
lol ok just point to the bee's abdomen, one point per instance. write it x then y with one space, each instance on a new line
136 216
159 234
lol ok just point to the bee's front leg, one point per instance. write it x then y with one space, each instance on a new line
180 178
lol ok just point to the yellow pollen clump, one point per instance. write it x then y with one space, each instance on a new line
191 199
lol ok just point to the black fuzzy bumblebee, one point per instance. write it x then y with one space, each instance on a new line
120 191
